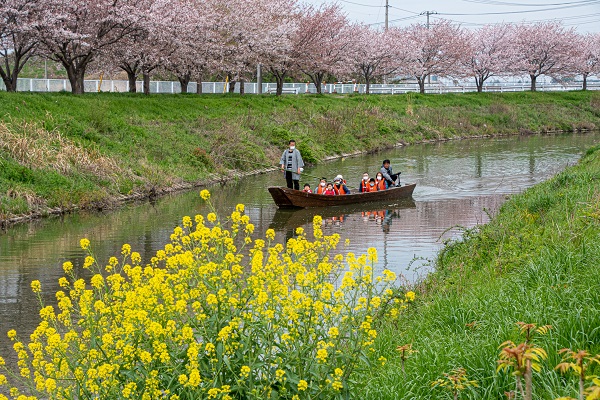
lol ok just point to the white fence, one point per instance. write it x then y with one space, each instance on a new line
58 85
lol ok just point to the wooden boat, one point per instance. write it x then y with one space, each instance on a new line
290 198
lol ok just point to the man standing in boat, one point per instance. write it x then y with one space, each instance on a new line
291 162
391 178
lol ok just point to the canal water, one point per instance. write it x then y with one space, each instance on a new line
459 184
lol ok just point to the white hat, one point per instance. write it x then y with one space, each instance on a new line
338 178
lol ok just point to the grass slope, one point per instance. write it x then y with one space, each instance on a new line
60 150
536 262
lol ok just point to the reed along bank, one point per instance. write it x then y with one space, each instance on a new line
61 152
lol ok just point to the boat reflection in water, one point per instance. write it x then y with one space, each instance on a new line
348 218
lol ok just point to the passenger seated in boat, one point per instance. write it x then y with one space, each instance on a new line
329 190
307 188
380 182
371 186
392 179
363 183
339 186
322 185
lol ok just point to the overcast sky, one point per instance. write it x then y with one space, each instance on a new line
583 15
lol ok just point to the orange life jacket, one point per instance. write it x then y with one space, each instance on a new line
321 189
363 185
369 188
380 184
339 190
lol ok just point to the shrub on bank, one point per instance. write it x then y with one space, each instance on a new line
216 314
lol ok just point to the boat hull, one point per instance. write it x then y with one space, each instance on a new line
290 198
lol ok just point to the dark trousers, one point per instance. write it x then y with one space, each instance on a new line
395 178
291 183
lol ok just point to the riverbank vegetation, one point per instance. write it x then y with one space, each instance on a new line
535 263
60 151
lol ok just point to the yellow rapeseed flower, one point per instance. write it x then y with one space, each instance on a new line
126 249
205 194
89 261
67 267
410 296
302 385
239 208
84 243
36 286
245 371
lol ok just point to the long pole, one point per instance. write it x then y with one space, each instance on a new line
428 13
259 78
387 9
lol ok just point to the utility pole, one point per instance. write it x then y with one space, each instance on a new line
428 13
259 78
387 9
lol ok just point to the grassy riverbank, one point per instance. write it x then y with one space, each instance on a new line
60 151
536 262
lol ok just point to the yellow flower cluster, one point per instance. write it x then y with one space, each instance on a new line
215 309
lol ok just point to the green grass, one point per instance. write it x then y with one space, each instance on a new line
536 262
158 141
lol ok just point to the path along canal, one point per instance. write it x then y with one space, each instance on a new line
459 184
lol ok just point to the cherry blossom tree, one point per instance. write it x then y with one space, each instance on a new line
18 39
545 48
487 53
587 60
75 32
275 47
145 49
323 43
193 41
421 51
371 52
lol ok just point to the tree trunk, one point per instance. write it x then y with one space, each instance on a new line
231 84
199 86
533 79
421 81
10 76
184 80
585 75
318 80
368 85
132 79
279 79
146 77
242 88
9 82
75 75
479 84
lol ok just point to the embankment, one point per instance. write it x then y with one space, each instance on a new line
61 152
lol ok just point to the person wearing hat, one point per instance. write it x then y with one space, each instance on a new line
291 162
339 186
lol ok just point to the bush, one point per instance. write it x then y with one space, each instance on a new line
204 320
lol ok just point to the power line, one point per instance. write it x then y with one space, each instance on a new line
503 3
509 12
574 17
358 4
